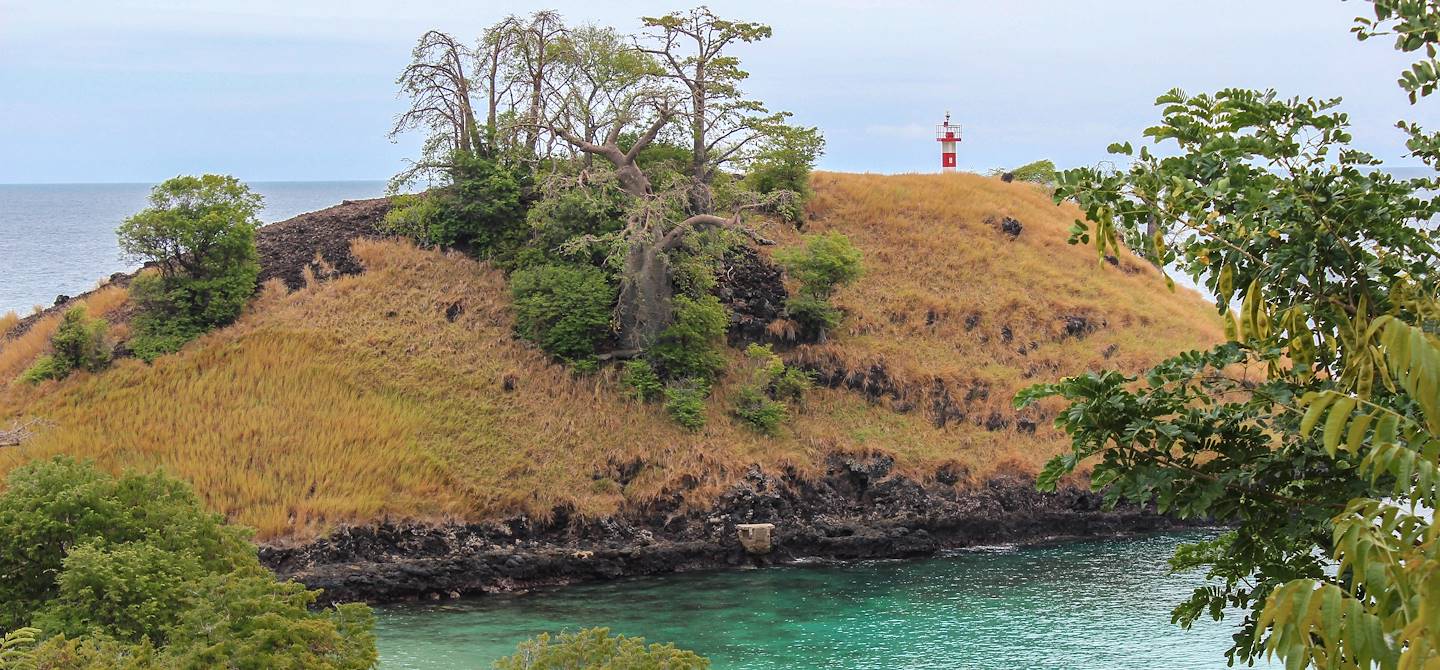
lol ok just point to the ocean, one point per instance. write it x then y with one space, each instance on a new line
60 238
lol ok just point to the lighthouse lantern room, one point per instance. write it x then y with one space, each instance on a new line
947 135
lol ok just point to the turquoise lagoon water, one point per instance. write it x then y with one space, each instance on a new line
1091 605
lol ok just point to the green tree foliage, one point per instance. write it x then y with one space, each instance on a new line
480 206
199 233
1313 431
132 572
563 308
692 346
1039 172
783 162
565 222
79 343
825 263
597 649
15 648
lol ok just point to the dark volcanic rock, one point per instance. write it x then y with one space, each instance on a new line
860 508
288 247
1011 227
752 290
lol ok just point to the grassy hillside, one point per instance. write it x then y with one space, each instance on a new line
357 398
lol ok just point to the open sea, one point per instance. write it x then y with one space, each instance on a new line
60 238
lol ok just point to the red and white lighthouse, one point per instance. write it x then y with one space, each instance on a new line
947 135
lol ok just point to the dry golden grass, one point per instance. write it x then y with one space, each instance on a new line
944 285
9 320
18 353
355 399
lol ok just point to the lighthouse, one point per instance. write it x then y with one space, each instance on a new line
947 135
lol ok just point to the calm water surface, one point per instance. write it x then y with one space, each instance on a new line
60 238
1093 605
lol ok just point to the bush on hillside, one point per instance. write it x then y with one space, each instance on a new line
641 381
199 234
484 207
412 216
685 402
557 220
79 343
597 648
691 347
565 309
825 263
1039 172
133 572
481 207
763 402
784 163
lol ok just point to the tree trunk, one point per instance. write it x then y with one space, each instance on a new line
646 303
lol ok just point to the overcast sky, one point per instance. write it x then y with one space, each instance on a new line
141 90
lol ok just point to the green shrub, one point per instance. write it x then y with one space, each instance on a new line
692 345
763 401
596 648
481 207
45 367
641 381
15 649
199 233
1039 172
91 653
760 411
79 343
815 316
50 508
792 384
694 266
559 219
413 216
565 309
125 591
685 402
784 163
825 263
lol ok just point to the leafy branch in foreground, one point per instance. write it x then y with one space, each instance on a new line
1312 431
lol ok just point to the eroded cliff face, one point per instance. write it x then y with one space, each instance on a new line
858 510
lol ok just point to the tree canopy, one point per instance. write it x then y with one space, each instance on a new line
1313 430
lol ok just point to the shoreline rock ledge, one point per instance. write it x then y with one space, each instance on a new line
857 510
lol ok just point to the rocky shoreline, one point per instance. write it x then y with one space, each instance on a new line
859 509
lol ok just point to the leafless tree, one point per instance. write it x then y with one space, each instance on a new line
438 83
496 48
536 43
